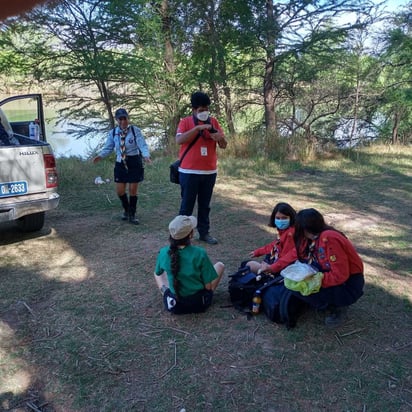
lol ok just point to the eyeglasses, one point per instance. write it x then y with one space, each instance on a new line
121 118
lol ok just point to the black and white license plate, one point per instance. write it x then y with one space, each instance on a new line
13 188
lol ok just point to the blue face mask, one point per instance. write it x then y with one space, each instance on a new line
282 224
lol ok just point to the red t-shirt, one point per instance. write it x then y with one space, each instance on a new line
201 157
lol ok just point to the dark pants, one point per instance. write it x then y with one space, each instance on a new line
198 187
336 296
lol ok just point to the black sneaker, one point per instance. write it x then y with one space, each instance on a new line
336 317
208 239
133 220
125 216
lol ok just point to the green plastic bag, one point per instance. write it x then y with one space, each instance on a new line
307 286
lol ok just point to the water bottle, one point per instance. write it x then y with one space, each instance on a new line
257 300
32 130
37 129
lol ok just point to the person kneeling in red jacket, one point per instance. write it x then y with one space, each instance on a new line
335 256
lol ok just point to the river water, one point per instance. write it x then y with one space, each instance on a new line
66 145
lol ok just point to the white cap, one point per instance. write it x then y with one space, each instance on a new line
181 226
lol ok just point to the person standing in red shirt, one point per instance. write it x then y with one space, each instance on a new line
198 170
335 256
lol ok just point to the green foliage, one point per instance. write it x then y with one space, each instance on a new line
288 71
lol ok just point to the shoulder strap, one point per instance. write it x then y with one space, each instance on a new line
275 281
135 139
193 141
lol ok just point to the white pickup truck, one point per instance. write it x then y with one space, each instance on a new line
28 174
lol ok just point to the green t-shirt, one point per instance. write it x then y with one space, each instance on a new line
196 269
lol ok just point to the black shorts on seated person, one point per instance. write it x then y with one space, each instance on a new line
195 303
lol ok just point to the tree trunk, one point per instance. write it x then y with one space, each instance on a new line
395 128
268 92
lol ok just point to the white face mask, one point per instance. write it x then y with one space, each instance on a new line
203 116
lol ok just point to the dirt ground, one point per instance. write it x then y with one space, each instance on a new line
82 327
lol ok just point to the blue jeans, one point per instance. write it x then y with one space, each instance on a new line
198 187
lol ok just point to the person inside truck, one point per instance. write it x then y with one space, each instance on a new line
7 137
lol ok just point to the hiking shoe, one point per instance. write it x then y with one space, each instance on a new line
208 239
336 317
133 220
125 216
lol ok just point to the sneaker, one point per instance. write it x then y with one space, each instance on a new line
208 239
133 220
125 216
336 317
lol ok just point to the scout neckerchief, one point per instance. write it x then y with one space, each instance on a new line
123 134
311 252
274 253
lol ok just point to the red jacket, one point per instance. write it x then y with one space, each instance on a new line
284 248
336 256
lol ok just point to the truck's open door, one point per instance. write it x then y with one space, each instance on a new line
22 110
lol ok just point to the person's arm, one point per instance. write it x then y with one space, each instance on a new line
107 149
188 136
264 250
208 272
285 259
218 135
161 281
338 260
287 253
186 132
160 274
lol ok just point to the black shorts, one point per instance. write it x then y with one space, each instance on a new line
196 303
134 173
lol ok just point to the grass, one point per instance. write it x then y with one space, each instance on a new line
82 328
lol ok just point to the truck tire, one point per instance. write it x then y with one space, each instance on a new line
31 223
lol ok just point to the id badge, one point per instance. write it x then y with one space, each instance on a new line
203 151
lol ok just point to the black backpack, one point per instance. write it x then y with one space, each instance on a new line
278 302
280 305
242 287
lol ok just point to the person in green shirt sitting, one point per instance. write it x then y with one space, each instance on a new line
184 273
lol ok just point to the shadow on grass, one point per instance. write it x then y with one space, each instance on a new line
103 343
82 328
8 233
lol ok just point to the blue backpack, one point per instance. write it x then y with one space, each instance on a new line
280 305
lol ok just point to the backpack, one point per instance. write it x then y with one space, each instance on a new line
280 305
242 287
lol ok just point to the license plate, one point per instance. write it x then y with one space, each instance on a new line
13 188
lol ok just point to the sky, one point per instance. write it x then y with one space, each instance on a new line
393 5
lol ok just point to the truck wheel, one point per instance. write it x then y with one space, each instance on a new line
31 223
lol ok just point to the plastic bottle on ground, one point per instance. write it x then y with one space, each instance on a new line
257 300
